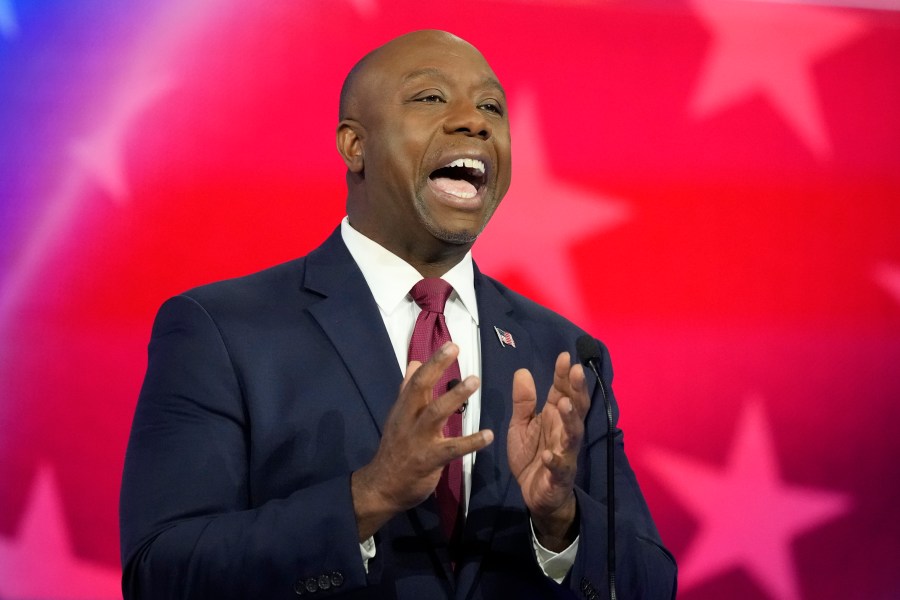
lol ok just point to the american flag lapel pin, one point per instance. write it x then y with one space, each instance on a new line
505 337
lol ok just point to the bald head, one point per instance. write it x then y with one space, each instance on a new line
355 92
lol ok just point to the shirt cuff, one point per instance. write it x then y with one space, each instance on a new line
367 551
555 565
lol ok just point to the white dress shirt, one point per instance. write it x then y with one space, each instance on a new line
390 279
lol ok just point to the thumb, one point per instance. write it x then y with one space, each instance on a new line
411 368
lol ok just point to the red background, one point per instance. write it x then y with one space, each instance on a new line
711 187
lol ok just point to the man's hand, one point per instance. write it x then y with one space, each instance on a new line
413 450
543 450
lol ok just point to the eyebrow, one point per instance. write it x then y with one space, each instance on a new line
486 81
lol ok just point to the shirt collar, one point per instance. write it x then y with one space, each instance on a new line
390 277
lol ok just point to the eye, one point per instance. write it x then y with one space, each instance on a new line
429 97
491 107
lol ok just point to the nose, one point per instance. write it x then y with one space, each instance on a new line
469 120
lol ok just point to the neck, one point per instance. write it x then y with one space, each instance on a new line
431 260
434 269
427 254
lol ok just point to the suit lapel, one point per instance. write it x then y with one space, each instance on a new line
492 481
349 317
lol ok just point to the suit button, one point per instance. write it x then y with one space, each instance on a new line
312 585
337 579
300 587
324 582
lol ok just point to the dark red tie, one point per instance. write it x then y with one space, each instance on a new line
430 334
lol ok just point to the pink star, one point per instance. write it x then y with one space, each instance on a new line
748 516
541 218
39 562
101 155
98 157
771 49
888 276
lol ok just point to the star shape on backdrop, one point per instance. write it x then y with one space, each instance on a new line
39 562
101 154
98 157
541 218
772 50
9 27
748 517
888 277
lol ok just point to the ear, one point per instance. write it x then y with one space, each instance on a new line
350 137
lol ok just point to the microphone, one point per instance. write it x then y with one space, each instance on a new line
589 355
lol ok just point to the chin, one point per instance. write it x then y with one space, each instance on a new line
451 235
456 237
464 232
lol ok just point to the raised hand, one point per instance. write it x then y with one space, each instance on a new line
543 449
413 450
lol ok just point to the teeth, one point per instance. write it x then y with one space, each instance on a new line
469 163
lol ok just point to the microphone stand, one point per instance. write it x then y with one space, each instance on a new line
589 355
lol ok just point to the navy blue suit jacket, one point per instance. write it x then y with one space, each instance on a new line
263 394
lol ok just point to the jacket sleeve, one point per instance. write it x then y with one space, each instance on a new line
645 570
188 526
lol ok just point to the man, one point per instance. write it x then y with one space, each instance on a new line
271 455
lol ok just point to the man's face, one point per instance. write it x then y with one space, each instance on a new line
436 149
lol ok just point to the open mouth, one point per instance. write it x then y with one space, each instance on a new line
462 178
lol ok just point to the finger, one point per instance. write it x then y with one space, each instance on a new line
572 426
450 402
457 447
579 392
569 382
402 409
561 385
561 470
425 377
411 368
524 396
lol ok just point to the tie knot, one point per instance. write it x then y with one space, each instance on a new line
431 294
